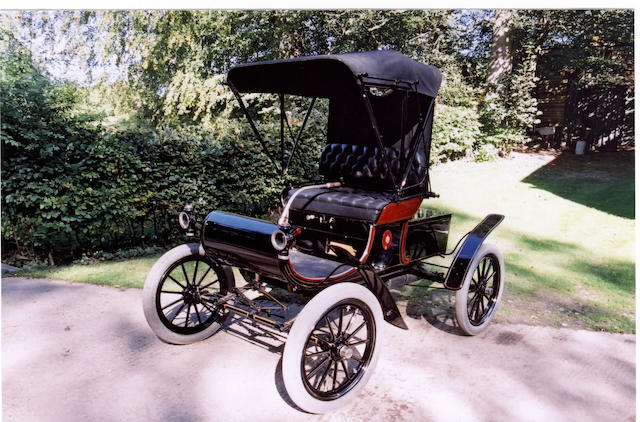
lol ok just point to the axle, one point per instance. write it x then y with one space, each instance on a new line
253 310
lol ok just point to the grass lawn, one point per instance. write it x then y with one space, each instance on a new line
128 273
567 239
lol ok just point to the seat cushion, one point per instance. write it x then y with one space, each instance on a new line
363 166
346 202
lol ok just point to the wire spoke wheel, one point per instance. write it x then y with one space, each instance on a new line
481 291
185 295
332 348
180 295
338 350
482 295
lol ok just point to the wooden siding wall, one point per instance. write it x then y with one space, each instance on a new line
552 97
596 115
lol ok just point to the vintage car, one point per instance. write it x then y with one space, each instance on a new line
343 241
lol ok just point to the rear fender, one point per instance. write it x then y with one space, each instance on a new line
460 265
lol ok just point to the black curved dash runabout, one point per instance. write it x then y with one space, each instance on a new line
344 240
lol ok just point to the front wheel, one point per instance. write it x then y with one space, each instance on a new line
180 292
332 347
478 298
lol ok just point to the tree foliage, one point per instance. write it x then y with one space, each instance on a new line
174 57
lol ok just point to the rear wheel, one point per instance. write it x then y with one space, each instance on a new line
180 293
332 347
479 297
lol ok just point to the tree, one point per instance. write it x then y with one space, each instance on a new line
168 53
501 59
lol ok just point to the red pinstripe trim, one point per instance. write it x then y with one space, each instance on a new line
403 240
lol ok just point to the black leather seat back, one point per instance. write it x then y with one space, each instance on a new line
363 166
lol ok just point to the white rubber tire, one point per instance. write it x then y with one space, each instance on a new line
462 316
151 285
299 334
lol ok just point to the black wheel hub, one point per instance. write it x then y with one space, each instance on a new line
191 295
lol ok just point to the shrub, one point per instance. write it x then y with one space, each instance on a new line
456 127
73 187
503 139
455 131
507 112
486 152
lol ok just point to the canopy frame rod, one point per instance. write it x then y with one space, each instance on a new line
414 142
282 117
376 130
299 135
253 126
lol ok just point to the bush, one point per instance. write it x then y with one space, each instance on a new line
455 131
507 112
129 188
456 127
486 152
44 155
503 139
72 187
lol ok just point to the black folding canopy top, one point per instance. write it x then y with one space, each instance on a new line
376 98
333 75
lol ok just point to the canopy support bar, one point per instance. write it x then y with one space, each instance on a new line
286 122
252 124
376 131
298 137
414 143
402 120
282 117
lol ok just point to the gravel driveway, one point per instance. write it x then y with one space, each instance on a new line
83 352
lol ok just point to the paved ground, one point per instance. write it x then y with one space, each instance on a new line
83 352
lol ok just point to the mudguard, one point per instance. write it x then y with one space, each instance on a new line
460 266
372 280
390 310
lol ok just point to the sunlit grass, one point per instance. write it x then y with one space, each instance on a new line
567 237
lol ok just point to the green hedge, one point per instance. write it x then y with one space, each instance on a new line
71 186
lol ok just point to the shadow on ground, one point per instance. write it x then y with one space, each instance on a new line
609 187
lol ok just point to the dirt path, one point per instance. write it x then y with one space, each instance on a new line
83 352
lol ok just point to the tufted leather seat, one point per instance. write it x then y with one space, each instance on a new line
367 187
364 166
